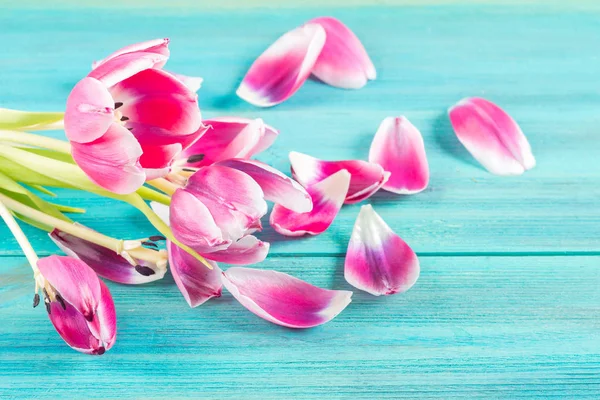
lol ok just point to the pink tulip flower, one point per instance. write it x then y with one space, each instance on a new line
127 120
79 304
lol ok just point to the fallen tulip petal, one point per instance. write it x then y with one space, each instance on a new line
367 178
327 198
74 329
378 261
343 62
229 137
398 147
197 283
280 71
491 136
247 250
282 299
106 262
277 187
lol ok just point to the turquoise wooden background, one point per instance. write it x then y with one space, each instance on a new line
508 303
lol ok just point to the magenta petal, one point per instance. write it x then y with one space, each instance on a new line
491 136
247 250
112 161
105 262
277 187
378 261
74 329
234 199
367 178
282 299
76 282
124 66
280 71
89 112
193 224
156 46
327 197
196 282
398 147
231 137
343 62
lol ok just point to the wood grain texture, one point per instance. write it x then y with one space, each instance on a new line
495 314
496 327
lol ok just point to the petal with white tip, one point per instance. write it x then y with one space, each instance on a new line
398 147
491 136
282 299
378 261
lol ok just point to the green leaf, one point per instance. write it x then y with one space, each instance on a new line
67 209
26 175
27 121
55 155
42 189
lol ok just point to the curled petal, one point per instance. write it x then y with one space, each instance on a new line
378 261
112 161
156 46
398 147
74 329
124 66
343 62
89 111
367 178
193 224
282 299
196 282
327 197
491 136
76 282
231 137
247 250
234 199
106 262
156 98
280 71
277 187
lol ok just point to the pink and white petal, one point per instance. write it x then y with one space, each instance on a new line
491 136
277 187
196 283
76 282
159 157
124 66
367 177
112 161
192 223
234 199
89 111
343 62
156 98
398 147
106 262
104 324
193 83
378 261
280 71
73 328
327 198
157 46
230 137
282 299
247 250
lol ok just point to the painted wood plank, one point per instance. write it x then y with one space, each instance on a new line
529 59
493 327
